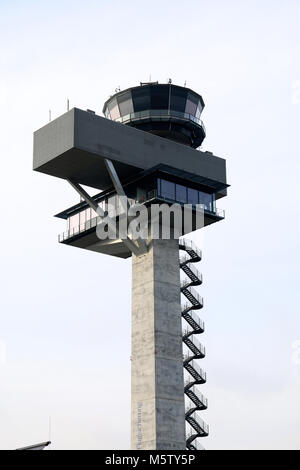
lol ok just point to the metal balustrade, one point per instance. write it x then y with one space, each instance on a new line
195 445
186 245
159 114
197 399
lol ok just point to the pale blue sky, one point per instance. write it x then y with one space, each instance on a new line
65 313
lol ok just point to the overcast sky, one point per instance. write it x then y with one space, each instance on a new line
65 312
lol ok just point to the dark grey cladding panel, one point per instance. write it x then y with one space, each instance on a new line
74 146
54 139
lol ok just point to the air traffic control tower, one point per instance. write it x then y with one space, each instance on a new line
144 153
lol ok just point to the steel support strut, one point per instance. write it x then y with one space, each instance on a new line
89 200
120 191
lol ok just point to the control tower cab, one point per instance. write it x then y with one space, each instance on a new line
166 110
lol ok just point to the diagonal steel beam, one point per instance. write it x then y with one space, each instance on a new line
90 201
114 177
120 191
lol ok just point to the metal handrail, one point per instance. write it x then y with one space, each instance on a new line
197 319
161 114
195 294
194 365
197 343
195 271
190 245
200 397
200 422
187 281
195 443
187 306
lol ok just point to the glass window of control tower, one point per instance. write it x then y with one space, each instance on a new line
114 109
199 110
125 104
159 97
191 104
178 99
141 99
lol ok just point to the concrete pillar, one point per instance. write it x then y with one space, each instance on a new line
157 389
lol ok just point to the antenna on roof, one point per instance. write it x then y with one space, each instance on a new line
68 104
185 83
49 428
49 115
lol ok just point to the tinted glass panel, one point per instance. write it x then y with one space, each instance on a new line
213 202
206 199
178 99
159 97
192 196
93 213
191 104
125 104
158 186
199 110
168 189
181 193
82 216
73 221
88 214
141 99
114 109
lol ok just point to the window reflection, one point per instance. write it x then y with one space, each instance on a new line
192 196
159 97
74 223
181 193
191 104
87 214
165 189
125 104
199 111
93 214
206 200
168 189
141 99
114 109
178 99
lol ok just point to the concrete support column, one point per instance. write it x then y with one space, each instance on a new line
157 389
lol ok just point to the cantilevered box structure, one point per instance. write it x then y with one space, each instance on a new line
145 149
